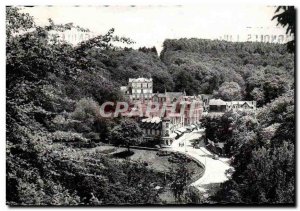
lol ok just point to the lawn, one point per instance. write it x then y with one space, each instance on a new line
150 158
161 164
158 163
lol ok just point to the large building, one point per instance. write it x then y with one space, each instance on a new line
138 89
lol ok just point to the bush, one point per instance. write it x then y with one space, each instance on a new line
163 153
62 136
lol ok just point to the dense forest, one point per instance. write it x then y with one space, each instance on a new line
53 90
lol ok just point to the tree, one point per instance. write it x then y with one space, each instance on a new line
17 21
229 91
201 66
127 133
258 95
287 18
267 83
39 68
180 177
86 112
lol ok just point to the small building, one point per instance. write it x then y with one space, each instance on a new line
217 105
240 105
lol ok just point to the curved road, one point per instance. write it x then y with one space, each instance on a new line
214 169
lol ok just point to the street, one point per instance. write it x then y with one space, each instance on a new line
214 169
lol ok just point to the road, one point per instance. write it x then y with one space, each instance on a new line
214 169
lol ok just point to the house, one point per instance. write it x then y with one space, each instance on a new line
240 105
217 105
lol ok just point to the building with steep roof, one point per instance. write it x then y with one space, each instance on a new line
240 105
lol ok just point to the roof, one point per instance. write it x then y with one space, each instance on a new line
248 103
217 102
152 120
174 94
192 97
140 79
151 123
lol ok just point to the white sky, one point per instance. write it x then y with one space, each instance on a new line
151 25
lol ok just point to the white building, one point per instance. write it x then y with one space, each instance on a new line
138 89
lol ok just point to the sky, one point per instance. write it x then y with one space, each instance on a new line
151 25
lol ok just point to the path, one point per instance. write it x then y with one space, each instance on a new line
214 169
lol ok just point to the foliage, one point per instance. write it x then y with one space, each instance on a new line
44 111
180 177
202 66
287 18
229 91
263 156
129 63
268 177
127 133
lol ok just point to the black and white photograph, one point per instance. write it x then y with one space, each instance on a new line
150 105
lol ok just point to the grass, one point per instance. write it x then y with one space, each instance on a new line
151 160
157 163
